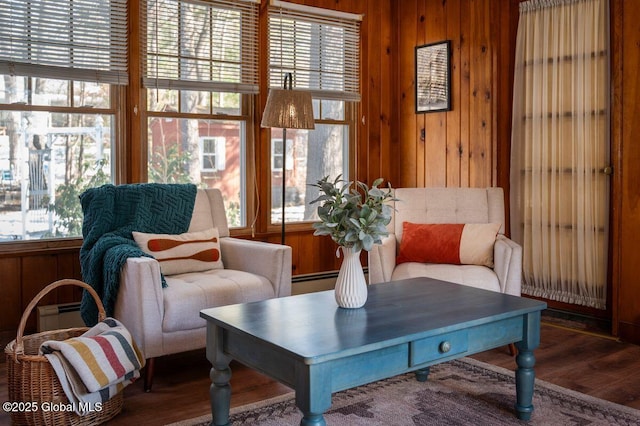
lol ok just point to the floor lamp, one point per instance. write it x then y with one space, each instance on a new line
287 109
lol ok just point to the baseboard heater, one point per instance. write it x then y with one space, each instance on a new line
307 283
61 316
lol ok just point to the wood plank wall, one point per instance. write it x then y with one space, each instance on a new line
465 146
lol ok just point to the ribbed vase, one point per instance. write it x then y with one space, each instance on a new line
351 286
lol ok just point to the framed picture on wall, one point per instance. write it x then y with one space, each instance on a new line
433 77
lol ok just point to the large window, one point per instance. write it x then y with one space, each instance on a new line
60 67
200 77
320 48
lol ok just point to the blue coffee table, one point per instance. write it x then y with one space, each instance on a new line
310 344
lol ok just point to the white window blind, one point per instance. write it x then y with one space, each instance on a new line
201 45
66 39
320 47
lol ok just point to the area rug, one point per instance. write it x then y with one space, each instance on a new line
464 392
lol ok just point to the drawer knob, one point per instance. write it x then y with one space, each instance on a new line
445 347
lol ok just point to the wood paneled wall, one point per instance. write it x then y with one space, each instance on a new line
464 147
23 275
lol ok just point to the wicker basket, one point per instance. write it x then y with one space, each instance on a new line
32 380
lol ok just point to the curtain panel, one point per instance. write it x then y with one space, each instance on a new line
560 149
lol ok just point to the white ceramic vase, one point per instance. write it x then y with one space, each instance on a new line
351 286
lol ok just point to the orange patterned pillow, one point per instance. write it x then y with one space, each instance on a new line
188 252
455 243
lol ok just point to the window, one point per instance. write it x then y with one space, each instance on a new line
321 49
277 157
61 67
212 153
200 73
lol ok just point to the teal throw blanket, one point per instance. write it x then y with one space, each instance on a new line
111 213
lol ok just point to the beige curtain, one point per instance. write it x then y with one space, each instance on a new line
560 149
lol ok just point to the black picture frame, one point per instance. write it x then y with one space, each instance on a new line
433 77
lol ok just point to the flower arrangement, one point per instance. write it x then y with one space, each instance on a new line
354 216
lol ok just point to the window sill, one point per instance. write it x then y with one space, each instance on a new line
36 246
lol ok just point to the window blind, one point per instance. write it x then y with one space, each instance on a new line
66 39
321 48
201 45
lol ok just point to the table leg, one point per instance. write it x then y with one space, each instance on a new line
220 396
313 420
220 374
313 393
525 375
525 379
423 374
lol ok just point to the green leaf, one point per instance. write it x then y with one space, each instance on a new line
367 242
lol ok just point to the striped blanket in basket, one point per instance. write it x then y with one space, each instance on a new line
94 367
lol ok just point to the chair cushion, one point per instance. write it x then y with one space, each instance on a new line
471 275
458 244
188 252
187 294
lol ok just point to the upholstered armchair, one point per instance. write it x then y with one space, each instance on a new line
165 319
486 257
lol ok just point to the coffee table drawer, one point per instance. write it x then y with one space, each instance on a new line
440 346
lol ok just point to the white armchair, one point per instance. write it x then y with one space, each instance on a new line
449 205
166 320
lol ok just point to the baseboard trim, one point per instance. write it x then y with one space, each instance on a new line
321 281
313 277
585 323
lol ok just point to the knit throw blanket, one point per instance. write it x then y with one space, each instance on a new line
111 213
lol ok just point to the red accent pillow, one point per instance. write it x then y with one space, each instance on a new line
451 243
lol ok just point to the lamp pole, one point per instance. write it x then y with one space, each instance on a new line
284 180
288 77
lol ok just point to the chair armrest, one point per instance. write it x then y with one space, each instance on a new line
272 261
382 260
140 304
507 259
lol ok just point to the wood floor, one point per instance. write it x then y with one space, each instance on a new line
589 363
